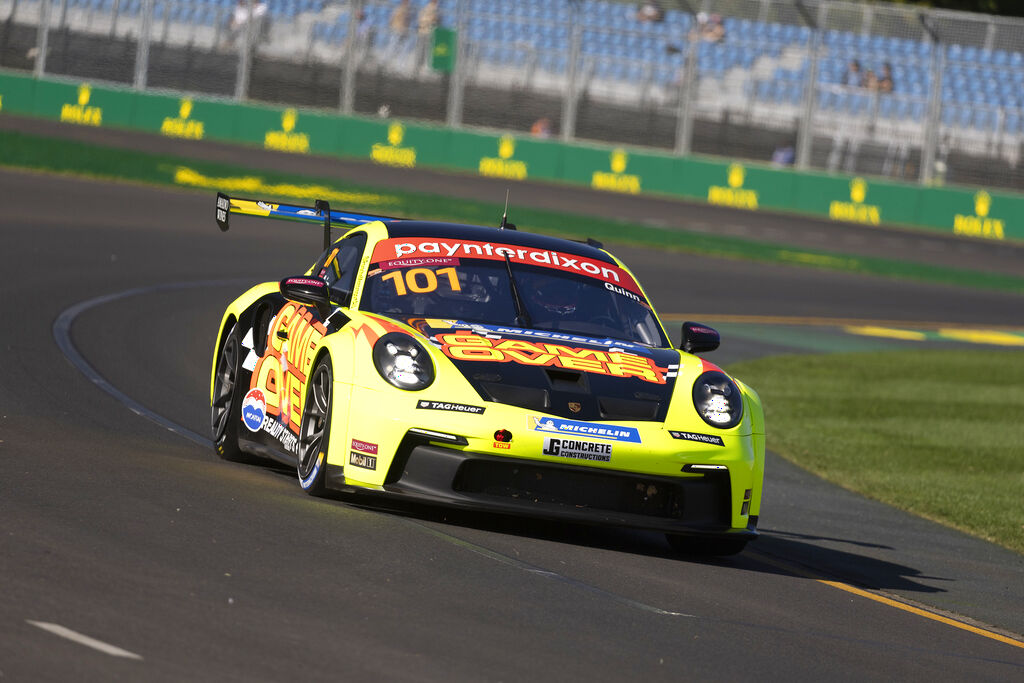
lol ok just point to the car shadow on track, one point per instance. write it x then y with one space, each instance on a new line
775 552
810 557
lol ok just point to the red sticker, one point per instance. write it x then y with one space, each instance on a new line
364 447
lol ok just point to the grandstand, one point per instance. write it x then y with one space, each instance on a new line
956 77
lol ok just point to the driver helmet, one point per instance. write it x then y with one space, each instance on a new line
557 297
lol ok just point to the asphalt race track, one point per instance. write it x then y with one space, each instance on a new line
128 551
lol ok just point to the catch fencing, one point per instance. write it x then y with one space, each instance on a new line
761 80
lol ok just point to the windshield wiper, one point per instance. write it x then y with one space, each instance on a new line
522 315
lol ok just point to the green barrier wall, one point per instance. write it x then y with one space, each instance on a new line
981 214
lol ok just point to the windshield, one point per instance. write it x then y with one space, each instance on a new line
563 297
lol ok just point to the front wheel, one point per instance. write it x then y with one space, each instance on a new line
224 416
315 429
697 546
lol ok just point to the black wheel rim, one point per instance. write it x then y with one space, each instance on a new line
314 419
224 387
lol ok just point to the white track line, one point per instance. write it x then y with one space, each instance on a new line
74 636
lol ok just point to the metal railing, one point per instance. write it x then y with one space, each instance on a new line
757 79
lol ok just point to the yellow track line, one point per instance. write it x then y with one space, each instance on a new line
831 322
985 633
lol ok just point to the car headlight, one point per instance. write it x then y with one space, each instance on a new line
718 400
403 362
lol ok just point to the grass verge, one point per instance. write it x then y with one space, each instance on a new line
21 150
937 433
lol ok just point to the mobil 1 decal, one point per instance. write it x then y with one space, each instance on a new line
363 454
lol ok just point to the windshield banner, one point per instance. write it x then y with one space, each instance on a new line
419 247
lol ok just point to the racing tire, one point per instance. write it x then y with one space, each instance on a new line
706 547
315 429
225 412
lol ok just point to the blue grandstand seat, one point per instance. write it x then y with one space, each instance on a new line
859 103
983 119
886 107
948 116
664 75
1012 123
963 116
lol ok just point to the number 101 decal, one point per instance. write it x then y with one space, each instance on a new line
421 280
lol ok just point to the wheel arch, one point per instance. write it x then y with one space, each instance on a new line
227 323
232 314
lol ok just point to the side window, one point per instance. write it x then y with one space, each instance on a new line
340 267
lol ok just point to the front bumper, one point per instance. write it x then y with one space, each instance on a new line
693 505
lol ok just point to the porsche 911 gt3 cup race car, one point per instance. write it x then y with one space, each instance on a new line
488 369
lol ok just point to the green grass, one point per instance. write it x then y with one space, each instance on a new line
937 433
19 150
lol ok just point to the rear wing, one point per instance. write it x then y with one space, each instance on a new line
320 212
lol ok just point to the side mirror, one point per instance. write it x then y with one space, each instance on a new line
311 291
699 338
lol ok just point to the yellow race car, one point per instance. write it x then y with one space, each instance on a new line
486 368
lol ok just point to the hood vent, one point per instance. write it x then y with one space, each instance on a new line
628 409
567 380
524 397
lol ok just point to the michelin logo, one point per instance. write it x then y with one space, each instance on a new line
554 425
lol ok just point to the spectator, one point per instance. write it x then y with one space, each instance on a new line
853 76
885 83
541 128
713 30
365 33
247 11
870 81
649 12
239 19
426 22
783 156
398 22
428 19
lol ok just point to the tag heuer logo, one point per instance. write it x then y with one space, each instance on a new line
575 406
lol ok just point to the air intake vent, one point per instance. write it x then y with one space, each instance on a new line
567 380
628 409
524 397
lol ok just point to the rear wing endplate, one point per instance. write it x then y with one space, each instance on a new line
320 212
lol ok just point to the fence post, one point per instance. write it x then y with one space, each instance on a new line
142 49
805 132
245 54
687 96
352 48
456 82
42 39
931 126
570 101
